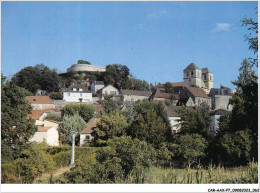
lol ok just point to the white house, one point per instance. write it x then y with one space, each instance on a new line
86 133
47 132
173 117
96 85
108 90
77 93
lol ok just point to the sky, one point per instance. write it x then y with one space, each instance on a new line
155 40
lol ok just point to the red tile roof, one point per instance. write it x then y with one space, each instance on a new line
159 94
43 129
90 126
36 114
39 99
197 92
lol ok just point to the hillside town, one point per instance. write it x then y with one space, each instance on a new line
195 90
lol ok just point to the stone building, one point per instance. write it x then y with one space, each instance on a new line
96 85
194 96
194 76
214 124
108 90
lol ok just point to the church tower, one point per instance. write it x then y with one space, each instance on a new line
192 76
207 77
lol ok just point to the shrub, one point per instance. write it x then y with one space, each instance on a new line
62 159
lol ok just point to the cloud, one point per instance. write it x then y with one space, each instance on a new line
157 14
220 27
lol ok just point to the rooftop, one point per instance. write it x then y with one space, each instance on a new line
39 99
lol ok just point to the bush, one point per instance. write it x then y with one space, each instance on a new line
54 117
56 96
84 110
62 159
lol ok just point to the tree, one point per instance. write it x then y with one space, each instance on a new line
137 84
194 121
56 96
68 124
110 104
111 125
191 147
83 62
168 88
118 76
235 148
37 77
16 129
151 124
84 110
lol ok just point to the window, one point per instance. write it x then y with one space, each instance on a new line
74 89
112 92
204 76
80 89
191 73
187 74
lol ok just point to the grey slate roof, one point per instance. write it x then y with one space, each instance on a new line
77 86
191 66
205 70
135 92
99 82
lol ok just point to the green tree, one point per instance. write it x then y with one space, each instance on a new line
111 125
118 76
151 125
235 147
191 148
83 62
68 124
56 96
110 104
16 129
137 84
194 121
84 110
37 77
168 88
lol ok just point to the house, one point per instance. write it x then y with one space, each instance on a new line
107 90
47 132
134 95
194 96
159 96
214 126
87 132
96 85
39 115
40 102
77 93
220 98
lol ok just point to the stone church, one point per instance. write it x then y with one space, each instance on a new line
194 76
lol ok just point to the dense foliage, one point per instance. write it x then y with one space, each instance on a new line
16 129
70 123
37 77
84 110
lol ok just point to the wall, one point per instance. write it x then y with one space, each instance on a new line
94 88
134 98
74 97
83 137
174 122
39 137
43 106
52 137
221 102
86 67
214 124
199 100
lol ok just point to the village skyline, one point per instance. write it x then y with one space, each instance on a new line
158 38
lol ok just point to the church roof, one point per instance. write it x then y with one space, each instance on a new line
206 70
191 66
197 92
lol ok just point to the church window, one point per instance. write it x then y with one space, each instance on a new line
187 74
204 76
191 73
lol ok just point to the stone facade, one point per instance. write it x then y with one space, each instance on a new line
96 85
86 68
134 95
108 90
220 98
194 76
